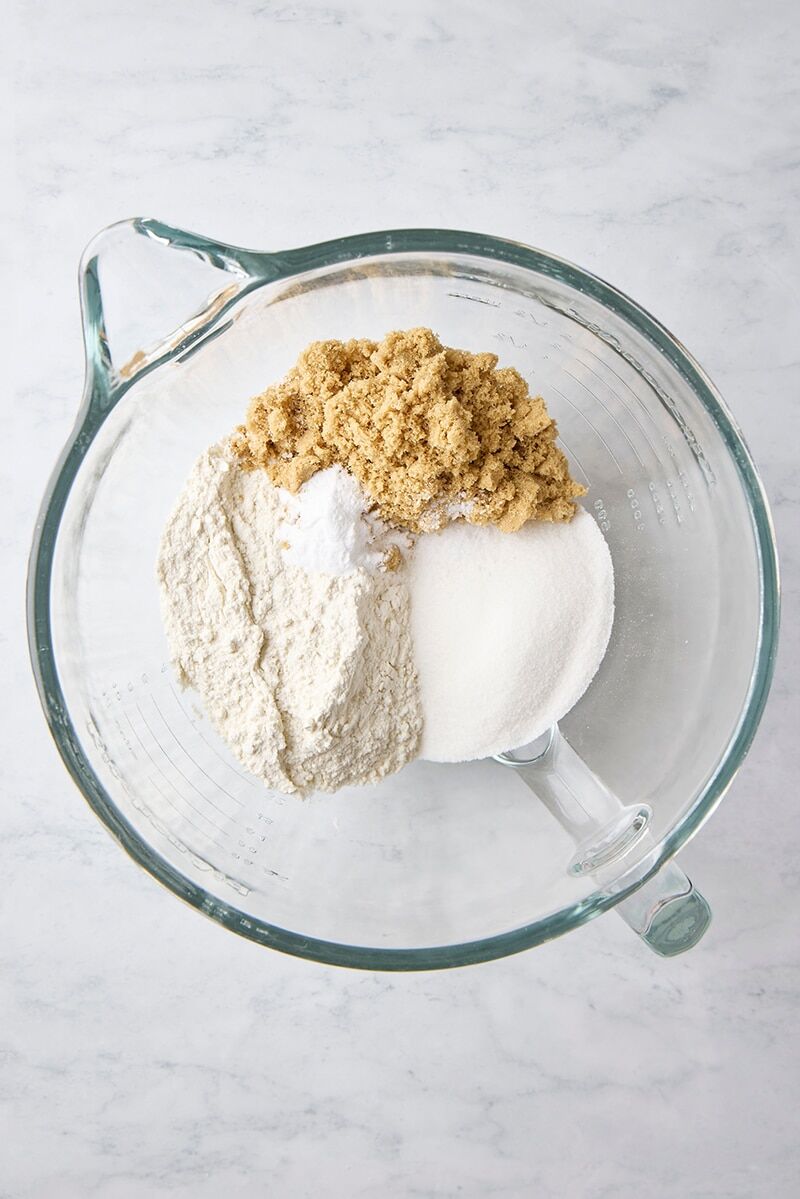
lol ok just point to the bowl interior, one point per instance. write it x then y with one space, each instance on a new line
437 855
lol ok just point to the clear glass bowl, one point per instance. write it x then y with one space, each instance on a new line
438 865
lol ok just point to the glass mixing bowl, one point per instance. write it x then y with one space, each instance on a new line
439 865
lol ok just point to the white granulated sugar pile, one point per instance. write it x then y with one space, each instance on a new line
276 613
508 631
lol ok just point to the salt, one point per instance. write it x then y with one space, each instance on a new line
508 630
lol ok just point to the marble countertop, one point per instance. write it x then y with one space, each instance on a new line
145 1051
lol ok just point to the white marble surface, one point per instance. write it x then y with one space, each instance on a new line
145 1051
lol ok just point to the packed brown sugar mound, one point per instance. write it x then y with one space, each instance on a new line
430 432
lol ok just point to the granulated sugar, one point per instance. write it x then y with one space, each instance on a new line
508 631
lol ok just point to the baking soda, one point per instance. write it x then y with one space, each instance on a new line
326 529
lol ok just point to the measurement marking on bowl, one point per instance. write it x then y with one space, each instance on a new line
573 457
193 785
659 507
164 829
124 738
673 495
607 410
250 782
625 384
182 798
601 515
636 510
619 398
651 486
596 432
526 314
460 295
213 782
183 776
666 399
682 476
509 338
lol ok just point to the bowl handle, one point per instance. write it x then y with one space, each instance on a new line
664 909
142 302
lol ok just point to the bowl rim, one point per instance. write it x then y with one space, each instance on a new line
103 389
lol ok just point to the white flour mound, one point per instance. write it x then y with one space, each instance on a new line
508 631
308 675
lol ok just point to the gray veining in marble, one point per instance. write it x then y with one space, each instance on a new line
144 1051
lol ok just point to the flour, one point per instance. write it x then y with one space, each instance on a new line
508 630
308 674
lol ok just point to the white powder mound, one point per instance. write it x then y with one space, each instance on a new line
327 527
308 676
508 631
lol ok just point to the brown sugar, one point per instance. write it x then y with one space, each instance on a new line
429 432
393 559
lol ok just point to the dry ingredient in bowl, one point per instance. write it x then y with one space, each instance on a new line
331 631
508 632
328 528
306 671
431 433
